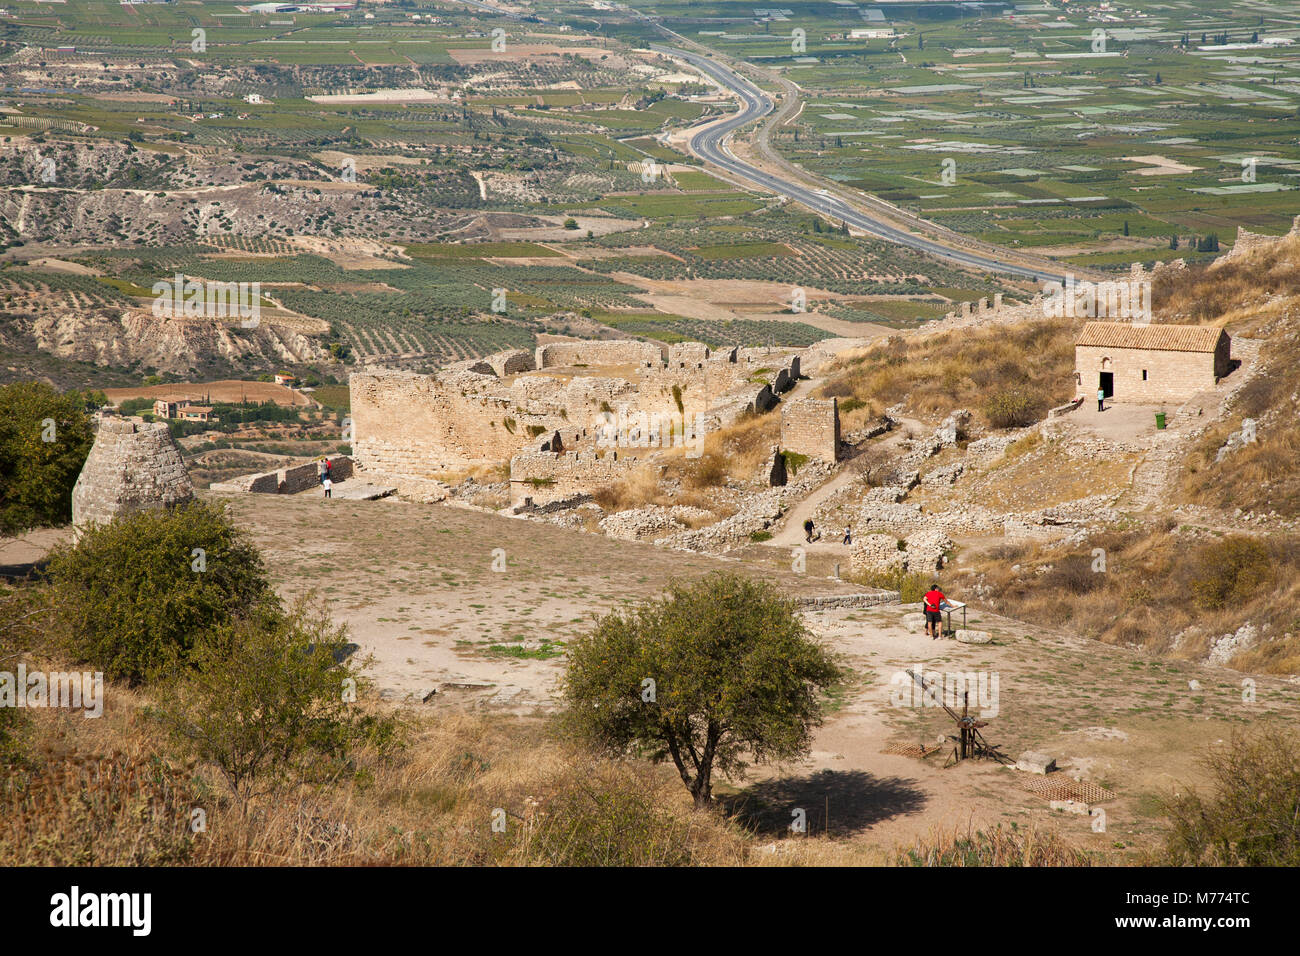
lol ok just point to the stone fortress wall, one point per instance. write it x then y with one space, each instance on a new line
489 410
542 477
1250 241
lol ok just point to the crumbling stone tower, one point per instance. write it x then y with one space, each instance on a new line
133 465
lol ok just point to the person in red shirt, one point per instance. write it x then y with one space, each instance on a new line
933 604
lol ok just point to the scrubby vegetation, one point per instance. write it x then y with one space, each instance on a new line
1009 376
1170 591
712 677
1251 817
133 598
1001 846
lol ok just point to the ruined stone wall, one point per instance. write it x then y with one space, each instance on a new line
1170 376
688 355
545 477
419 425
811 426
412 425
133 466
511 362
287 481
1248 242
613 352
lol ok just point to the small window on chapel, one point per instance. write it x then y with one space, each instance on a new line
1144 375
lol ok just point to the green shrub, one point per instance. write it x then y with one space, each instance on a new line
1014 408
794 461
45 437
135 595
736 678
1231 572
271 697
910 585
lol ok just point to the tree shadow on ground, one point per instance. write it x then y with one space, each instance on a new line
857 800
22 570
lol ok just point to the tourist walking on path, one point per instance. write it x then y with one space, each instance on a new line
1101 400
848 536
933 604
329 487
320 471
808 530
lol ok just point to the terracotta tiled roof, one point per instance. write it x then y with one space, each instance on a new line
1166 338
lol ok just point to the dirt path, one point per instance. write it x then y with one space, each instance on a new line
792 534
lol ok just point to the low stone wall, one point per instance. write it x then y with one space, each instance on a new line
875 552
610 352
548 476
868 599
1065 409
287 481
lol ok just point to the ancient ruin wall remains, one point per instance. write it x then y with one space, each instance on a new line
811 426
620 352
133 466
488 410
421 425
545 476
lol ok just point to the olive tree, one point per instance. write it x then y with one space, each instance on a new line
712 676
135 595
45 437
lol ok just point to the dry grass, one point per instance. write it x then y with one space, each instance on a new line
1155 584
1257 295
738 451
1247 285
1260 476
1000 846
104 792
934 374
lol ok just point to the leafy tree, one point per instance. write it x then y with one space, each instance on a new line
711 676
135 595
270 697
45 437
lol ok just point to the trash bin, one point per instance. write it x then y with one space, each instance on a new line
1160 419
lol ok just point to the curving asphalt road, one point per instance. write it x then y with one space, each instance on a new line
710 144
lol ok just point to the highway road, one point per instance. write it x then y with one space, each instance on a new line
710 144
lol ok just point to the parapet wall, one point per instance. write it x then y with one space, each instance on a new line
287 481
613 352
133 466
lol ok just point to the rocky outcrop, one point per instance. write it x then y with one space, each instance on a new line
107 337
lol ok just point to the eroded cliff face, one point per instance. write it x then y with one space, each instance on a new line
117 338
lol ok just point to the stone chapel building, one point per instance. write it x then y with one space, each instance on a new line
1149 364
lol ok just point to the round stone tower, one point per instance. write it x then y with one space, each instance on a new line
133 465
